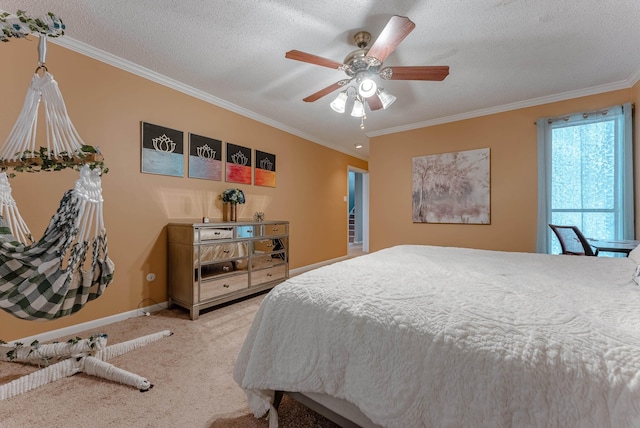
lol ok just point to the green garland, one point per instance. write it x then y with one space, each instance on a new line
35 345
23 25
32 161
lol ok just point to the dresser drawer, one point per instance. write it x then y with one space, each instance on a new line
245 232
263 276
262 246
222 251
267 260
212 233
213 270
219 287
274 229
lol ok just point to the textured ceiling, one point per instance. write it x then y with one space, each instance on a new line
502 54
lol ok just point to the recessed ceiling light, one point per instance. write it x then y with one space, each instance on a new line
358 146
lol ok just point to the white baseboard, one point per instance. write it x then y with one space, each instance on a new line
90 325
101 322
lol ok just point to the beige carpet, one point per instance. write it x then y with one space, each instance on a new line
191 372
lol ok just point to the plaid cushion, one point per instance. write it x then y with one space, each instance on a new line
34 284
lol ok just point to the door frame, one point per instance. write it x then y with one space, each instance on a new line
365 205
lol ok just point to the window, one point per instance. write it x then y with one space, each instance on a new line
586 175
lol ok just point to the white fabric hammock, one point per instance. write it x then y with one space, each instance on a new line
62 137
34 284
9 212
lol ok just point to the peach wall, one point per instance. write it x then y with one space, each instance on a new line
636 154
106 105
512 138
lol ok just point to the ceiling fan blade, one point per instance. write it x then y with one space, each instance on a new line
435 72
312 59
322 92
393 33
374 102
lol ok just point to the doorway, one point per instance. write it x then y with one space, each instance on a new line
358 212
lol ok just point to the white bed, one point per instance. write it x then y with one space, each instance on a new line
427 336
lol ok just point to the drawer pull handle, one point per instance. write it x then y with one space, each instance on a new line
269 259
269 274
225 251
217 233
225 285
269 245
226 268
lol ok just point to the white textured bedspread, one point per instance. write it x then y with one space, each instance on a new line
420 336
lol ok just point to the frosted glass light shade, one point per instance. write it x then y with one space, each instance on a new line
367 88
358 108
385 98
338 105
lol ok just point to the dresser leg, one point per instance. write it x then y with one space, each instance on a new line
194 313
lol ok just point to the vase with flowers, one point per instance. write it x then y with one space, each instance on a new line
231 198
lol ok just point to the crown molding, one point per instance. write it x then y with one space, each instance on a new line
624 84
635 76
123 64
151 75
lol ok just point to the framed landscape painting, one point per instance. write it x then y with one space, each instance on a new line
452 188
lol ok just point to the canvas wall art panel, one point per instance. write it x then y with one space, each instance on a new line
238 166
452 188
265 169
162 150
205 157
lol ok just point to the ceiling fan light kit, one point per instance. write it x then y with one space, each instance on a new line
386 98
340 102
367 88
364 64
358 108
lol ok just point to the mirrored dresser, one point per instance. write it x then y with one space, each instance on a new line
214 263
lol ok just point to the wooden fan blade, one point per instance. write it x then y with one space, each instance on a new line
374 102
394 32
312 59
322 92
435 72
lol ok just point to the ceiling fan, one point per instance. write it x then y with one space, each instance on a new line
364 63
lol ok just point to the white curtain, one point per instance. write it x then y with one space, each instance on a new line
624 164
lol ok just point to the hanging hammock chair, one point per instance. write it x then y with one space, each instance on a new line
52 277
55 276
34 284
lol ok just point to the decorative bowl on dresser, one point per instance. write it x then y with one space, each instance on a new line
214 263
